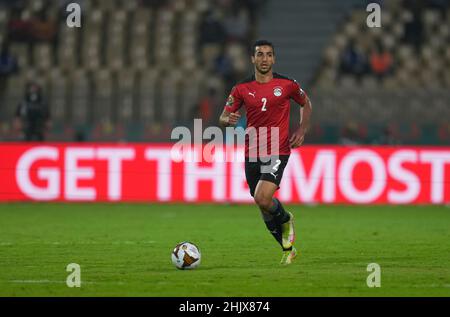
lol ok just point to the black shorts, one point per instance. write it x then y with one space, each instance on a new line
271 171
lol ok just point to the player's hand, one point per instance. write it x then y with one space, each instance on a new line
233 118
297 138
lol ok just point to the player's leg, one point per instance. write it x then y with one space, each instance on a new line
278 220
264 192
283 219
253 175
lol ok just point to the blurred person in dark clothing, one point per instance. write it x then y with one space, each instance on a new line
212 30
19 29
253 7
237 24
353 60
414 28
223 65
8 66
8 62
155 4
389 136
14 4
33 115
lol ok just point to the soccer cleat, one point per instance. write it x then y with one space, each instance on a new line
288 256
288 232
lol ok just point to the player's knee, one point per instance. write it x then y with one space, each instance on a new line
263 202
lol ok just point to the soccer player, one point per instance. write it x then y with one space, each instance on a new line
266 98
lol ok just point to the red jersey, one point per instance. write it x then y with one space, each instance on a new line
267 106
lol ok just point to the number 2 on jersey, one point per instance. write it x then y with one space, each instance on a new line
264 101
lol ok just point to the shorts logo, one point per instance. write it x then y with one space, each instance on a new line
278 91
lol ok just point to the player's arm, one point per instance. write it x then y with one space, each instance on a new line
303 100
228 118
230 114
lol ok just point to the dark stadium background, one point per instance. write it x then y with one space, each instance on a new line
136 69
122 75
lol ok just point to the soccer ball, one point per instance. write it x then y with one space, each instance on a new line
186 256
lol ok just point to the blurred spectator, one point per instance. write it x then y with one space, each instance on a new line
19 30
14 4
79 136
211 29
43 28
414 26
381 61
8 65
237 25
441 5
154 4
207 107
157 132
33 115
350 135
354 61
253 7
223 65
37 28
414 134
388 137
444 133
224 4
106 131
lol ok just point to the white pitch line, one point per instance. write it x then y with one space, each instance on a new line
77 243
37 282
44 282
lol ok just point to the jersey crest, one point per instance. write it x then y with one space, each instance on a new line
277 91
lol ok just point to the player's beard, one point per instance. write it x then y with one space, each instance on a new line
263 72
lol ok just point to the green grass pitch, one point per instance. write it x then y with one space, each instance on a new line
124 250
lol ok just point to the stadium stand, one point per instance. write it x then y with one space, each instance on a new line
392 78
126 67
136 68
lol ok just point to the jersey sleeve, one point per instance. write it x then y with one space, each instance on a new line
298 94
234 101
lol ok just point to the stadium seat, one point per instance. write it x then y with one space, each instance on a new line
57 96
80 89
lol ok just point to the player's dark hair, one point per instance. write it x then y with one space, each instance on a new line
262 43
